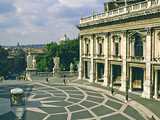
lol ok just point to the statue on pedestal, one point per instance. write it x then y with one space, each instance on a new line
71 67
29 60
34 64
31 66
56 68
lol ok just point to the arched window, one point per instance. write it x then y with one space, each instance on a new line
87 49
138 46
116 49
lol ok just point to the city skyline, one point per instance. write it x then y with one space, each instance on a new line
41 22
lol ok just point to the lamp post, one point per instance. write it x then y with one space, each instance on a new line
112 89
127 83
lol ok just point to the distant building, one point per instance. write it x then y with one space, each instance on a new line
123 43
64 38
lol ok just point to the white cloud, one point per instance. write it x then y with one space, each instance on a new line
78 3
42 21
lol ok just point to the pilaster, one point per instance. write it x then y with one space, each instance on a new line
124 61
92 62
106 49
80 67
147 82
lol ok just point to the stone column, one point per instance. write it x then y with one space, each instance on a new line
156 85
144 49
80 66
131 82
124 61
112 46
84 44
147 82
105 48
97 49
132 48
92 62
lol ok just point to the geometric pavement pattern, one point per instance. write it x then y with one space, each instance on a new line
59 102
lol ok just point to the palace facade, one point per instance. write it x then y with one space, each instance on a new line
121 47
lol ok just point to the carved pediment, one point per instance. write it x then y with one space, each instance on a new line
116 38
132 36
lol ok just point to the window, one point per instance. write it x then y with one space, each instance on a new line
100 49
138 46
87 48
116 49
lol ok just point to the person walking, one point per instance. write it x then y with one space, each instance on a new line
64 79
47 80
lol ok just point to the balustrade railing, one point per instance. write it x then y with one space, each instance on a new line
86 54
115 56
135 58
100 55
121 10
156 59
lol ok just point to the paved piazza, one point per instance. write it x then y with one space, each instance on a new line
59 102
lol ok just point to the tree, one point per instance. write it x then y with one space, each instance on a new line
19 61
4 68
67 50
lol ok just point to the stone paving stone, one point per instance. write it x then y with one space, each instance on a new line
133 113
81 115
58 117
102 110
30 115
77 96
87 90
55 99
60 94
39 92
66 88
60 104
74 92
75 108
94 94
115 99
40 96
55 91
95 99
44 88
74 100
115 117
53 110
113 104
88 104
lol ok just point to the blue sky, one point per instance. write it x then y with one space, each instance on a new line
42 21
